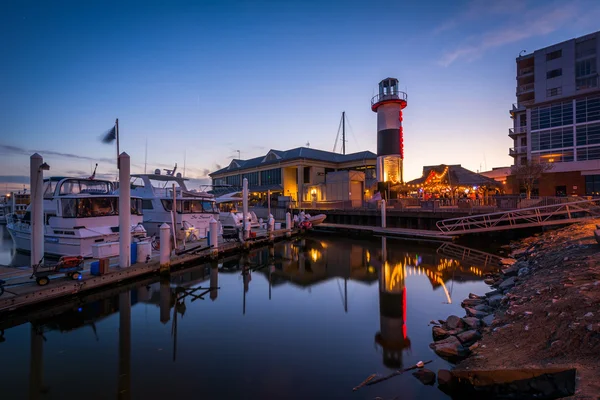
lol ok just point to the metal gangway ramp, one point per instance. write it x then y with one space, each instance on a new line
557 214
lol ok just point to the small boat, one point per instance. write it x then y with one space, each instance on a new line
194 209
78 213
230 216
314 219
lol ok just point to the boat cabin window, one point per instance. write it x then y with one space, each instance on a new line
96 207
50 187
191 206
147 205
77 186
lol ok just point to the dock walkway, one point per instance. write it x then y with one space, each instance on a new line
395 232
21 291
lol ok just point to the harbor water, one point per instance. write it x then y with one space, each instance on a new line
309 318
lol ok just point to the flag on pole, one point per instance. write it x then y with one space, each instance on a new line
110 135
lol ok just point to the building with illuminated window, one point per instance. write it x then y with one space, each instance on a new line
557 115
312 175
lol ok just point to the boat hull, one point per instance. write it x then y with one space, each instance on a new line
58 246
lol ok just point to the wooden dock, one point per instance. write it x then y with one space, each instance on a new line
21 292
420 234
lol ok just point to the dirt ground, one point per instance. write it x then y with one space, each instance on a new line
552 316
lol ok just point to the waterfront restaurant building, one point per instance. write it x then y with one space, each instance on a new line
301 173
557 116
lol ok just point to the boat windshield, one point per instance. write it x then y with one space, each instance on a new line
96 207
191 206
50 187
85 186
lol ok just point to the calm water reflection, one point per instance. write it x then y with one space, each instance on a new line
306 319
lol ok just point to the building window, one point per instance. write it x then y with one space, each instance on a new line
252 178
553 156
218 181
585 67
588 134
592 185
552 139
586 83
585 48
554 73
524 141
554 55
588 109
233 180
306 174
270 177
554 92
557 114
523 161
588 153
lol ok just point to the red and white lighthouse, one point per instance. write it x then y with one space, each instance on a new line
388 105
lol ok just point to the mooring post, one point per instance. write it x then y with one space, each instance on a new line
214 236
165 248
383 214
124 211
271 227
124 385
36 176
246 225
36 364
288 224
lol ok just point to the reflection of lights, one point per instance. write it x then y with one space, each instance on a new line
371 269
314 255
394 277
368 256
323 244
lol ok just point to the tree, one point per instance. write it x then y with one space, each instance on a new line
526 174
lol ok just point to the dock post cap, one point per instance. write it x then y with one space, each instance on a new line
212 220
165 226
36 155
124 155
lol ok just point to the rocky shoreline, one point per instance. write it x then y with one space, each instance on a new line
543 312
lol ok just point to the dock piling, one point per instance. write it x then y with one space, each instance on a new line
288 224
165 248
37 207
124 211
246 226
213 237
383 214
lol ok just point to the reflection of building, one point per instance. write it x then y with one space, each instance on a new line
392 336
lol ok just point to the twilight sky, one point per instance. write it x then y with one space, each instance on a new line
202 79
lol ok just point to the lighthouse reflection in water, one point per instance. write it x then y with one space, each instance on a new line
313 307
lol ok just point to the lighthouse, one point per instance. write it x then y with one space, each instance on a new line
388 104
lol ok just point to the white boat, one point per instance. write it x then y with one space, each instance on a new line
230 216
194 209
78 213
314 219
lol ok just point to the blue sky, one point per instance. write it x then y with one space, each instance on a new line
203 79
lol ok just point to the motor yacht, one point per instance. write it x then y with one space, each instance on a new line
194 209
78 213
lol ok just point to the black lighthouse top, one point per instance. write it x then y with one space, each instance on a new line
388 93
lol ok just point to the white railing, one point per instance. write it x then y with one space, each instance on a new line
564 213
525 88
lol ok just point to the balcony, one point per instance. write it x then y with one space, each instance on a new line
519 130
525 89
515 151
525 72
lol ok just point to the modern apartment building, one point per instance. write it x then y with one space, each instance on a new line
557 115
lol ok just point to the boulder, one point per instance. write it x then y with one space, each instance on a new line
471 302
472 322
597 235
507 284
483 307
489 281
439 333
508 261
492 293
523 271
510 271
426 376
471 312
469 337
488 320
444 378
450 349
474 296
495 300
454 322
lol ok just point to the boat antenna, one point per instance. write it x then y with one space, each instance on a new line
337 137
93 176
344 132
184 157
146 156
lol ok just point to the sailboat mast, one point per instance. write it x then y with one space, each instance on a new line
146 156
344 132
